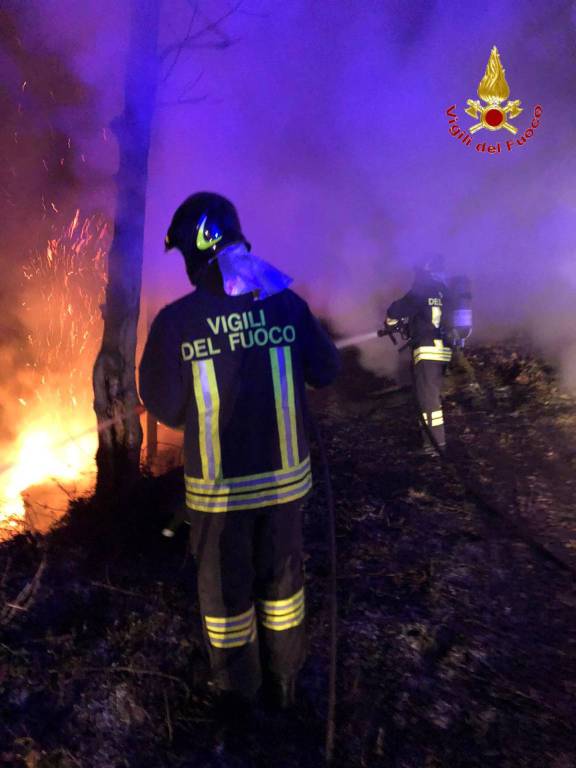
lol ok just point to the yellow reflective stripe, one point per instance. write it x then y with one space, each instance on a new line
437 418
438 357
271 606
291 404
231 631
232 641
290 625
215 417
279 615
236 634
433 353
282 617
233 644
274 362
208 405
391 321
201 406
220 621
437 347
267 618
247 482
281 624
267 498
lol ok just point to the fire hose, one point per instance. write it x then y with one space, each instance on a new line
333 657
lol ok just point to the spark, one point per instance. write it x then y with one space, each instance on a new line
64 285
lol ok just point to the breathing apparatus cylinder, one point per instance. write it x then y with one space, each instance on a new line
460 310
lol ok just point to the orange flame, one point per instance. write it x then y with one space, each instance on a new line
64 288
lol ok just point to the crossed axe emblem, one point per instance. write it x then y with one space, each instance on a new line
493 116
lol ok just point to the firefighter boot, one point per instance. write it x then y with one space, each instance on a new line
233 709
280 692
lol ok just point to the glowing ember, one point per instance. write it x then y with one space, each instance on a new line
62 294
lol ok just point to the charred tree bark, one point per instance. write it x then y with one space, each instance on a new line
115 394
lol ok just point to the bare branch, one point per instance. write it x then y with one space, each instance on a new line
180 102
26 596
192 83
191 39
180 48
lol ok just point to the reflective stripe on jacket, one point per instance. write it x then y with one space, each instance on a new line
439 352
233 371
424 307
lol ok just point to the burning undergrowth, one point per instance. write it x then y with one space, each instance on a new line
456 639
46 390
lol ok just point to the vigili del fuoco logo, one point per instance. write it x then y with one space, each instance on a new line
493 114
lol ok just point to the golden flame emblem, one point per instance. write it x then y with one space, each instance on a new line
493 89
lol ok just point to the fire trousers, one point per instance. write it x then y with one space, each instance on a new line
251 593
428 385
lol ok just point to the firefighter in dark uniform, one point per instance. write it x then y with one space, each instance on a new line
230 362
421 309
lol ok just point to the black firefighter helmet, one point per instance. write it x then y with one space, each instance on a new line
202 226
430 268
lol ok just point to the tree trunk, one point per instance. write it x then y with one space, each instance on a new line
115 394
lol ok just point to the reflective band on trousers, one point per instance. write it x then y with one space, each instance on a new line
231 631
279 615
436 418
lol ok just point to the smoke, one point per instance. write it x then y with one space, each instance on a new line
326 124
51 255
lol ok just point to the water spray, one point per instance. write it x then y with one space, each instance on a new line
399 328
354 341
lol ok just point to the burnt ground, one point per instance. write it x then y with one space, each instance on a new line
457 636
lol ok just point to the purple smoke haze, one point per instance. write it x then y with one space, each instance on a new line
325 122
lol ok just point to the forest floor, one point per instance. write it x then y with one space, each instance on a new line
457 636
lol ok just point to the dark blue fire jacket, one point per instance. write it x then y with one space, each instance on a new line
423 306
232 371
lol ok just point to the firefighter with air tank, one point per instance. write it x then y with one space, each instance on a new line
436 319
230 362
